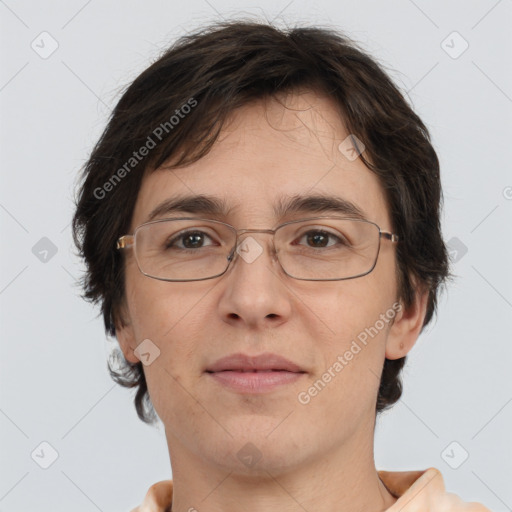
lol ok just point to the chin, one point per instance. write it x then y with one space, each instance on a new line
251 459
258 451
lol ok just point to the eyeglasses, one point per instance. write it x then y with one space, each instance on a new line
314 249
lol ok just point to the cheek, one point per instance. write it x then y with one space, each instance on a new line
167 314
359 316
166 317
155 306
348 309
347 383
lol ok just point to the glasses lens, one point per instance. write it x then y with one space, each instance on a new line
183 249
325 248
328 248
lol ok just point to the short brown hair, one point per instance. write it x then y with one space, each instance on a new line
222 67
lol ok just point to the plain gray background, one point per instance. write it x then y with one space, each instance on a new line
55 387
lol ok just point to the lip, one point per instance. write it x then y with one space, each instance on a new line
263 362
254 374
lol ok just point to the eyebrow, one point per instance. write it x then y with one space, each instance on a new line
215 207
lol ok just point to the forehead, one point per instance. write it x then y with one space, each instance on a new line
269 155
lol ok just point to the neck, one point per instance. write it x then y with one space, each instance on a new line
341 480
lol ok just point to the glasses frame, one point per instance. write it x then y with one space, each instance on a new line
128 241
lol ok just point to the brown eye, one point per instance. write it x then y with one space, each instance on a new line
318 239
188 240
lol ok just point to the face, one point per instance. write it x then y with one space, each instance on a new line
267 153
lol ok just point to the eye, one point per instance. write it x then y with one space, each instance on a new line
319 238
192 239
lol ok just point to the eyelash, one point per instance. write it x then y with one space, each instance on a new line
181 236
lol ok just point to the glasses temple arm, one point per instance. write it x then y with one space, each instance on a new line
124 241
390 236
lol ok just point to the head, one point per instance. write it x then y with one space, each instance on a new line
253 116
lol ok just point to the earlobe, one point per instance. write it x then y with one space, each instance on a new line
407 326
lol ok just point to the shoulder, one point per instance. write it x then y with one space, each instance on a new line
157 499
427 492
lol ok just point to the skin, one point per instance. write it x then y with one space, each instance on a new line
317 456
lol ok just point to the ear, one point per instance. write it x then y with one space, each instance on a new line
407 326
125 335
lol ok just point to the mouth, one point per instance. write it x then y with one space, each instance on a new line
254 374
253 382
242 370
250 364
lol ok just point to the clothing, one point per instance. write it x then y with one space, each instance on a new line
417 491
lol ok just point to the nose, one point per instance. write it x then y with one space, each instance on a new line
254 292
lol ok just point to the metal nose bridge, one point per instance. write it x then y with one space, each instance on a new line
244 231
